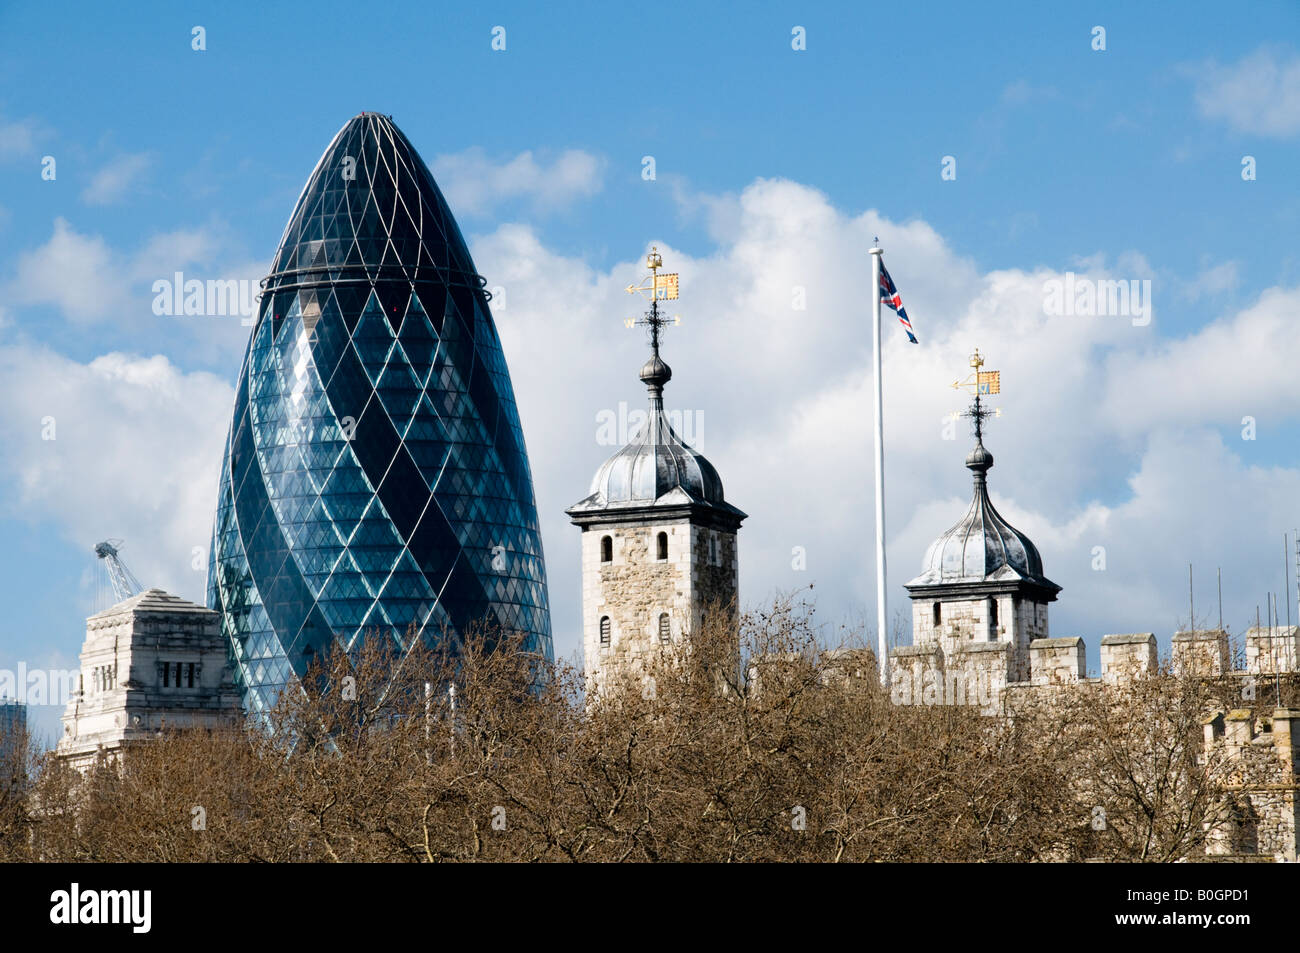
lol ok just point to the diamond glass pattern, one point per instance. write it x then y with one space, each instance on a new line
375 473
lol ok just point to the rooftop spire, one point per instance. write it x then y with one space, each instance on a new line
980 383
655 372
983 547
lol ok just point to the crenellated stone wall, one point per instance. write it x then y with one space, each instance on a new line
1128 655
1058 661
1272 649
1201 652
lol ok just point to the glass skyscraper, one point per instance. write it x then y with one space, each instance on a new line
375 474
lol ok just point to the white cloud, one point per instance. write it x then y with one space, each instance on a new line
1113 435
78 273
475 184
19 139
136 454
111 183
1212 280
1259 94
87 280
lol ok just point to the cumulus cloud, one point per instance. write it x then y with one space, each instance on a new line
89 281
1258 94
19 138
475 184
1111 437
123 446
77 273
1114 436
112 182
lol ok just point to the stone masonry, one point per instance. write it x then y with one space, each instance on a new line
148 663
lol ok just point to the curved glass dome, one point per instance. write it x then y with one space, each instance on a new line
375 474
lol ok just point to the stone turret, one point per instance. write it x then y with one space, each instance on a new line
658 536
982 581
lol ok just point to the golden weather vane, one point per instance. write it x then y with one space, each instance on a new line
981 383
656 287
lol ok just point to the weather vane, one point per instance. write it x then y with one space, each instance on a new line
981 383
657 288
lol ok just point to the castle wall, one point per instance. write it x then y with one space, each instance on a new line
1202 652
1271 649
1058 661
1127 655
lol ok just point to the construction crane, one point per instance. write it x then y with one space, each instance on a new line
125 585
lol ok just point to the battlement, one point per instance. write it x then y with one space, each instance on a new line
1273 649
1057 661
1046 662
1253 754
1201 652
1129 655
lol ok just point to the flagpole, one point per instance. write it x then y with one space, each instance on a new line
882 657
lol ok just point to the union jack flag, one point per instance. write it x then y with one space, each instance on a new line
890 297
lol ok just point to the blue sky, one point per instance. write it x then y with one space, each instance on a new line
1123 163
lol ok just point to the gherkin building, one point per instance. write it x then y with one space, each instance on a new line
375 475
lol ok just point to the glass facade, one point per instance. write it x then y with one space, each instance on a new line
375 473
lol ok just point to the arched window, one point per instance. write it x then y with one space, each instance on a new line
606 549
604 627
662 552
938 614
665 627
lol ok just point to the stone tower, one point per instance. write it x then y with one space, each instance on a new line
982 585
658 536
150 662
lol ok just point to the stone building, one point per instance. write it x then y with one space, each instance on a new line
150 662
658 542
1255 758
981 598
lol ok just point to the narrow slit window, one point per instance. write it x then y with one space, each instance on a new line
665 628
604 630
606 549
662 548
938 614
